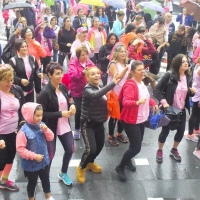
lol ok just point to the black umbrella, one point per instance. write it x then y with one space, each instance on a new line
17 5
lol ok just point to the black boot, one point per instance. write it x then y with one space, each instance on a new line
130 166
121 173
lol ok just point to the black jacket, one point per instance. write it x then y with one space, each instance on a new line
49 101
104 51
166 88
78 22
94 104
17 91
20 73
64 37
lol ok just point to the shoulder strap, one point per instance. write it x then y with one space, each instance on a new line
13 60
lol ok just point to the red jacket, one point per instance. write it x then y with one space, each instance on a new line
128 96
137 54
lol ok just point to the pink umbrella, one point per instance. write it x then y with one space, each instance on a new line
79 5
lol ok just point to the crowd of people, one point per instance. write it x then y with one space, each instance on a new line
109 66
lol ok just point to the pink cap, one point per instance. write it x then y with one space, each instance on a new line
81 29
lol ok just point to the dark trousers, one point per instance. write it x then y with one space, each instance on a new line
7 154
135 134
29 97
161 54
77 102
111 24
45 61
111 126
194 118
55 55
94 136
61 58
179 133
67 142
128 13
7 33
32 181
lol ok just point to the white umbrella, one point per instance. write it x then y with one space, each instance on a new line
152 6
116 3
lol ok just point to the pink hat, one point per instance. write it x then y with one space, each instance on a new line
81 29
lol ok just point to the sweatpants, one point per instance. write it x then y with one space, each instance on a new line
43 174
135 134
93 136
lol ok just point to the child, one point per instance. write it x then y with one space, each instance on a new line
32 147
60 19
93 115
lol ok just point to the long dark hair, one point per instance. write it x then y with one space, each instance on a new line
97 12
176 64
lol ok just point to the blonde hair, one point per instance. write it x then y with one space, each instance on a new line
6 72
116 52
88 69
23 19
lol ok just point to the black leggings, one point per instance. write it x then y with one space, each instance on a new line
32 181
194 118
67 142
7 154
94 136
111 126
135 134
45 61
77 102
179 133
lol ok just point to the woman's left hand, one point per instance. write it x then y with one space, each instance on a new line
40 75
72 109
193 90
155 108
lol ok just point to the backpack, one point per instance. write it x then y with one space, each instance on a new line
6 54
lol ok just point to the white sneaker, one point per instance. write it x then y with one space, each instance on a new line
197 153
50 198
192 137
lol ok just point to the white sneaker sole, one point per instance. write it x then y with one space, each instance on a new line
64 181
191 139
195 155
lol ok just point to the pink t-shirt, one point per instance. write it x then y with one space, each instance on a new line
98 40
196 43
44 44
63 123
143 111
180 93
27 66
9 113
62 6
183 21
119 85
196 84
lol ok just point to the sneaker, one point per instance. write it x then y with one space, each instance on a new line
192 137
129 165
76 134
9 185
197 153
175 154
196 132
44 81
121 138
112 140
50 198
121 173
94 167
159 156
80 175
65 178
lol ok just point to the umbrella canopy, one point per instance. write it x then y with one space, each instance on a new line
116 3
192 7
79 5
153 6
152 12
17 5
93 2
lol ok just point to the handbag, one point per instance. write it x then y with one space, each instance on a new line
156 120
49 33
6 54
174 115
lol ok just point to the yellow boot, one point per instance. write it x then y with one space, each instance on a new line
80 175
94 167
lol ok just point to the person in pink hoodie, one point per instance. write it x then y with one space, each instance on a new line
78 82
196 54
31 145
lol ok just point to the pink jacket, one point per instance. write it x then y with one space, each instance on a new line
77 77
196 55
28 110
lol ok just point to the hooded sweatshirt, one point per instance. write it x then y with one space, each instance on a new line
31 140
